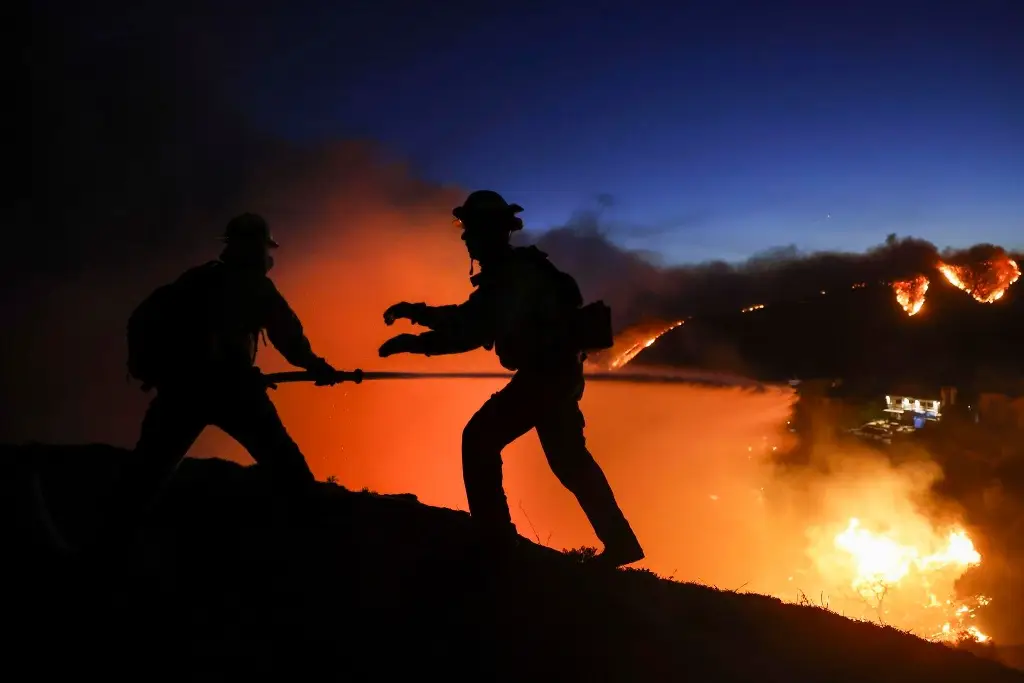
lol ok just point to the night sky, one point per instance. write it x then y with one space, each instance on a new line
716 129
706 131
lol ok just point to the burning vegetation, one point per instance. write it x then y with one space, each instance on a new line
985 278
909 581
910 294
986 281
631 342
872 552
985 272
890 566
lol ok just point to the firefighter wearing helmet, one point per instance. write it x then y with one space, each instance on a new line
528 312
195 340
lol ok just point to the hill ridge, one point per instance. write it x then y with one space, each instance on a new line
387 584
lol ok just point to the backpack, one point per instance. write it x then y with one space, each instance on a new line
162 330
590 325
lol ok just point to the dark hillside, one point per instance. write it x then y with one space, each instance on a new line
861 331
387 587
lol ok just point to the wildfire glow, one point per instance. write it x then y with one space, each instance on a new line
888 574
755 307
910 294
986 282
629 343
881 560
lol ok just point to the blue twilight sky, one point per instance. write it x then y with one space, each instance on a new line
717 128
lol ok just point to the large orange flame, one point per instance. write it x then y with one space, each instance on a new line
987 282
884 564
910 293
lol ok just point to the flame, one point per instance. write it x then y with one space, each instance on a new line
987 282
882 560
959 629
882 566
910 294
755 307
629 343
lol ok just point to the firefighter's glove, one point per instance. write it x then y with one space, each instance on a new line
324 374
403 343
402 310
260 378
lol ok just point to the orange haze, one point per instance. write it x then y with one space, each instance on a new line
666 450
690 465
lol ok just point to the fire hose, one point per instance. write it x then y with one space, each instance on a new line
358 376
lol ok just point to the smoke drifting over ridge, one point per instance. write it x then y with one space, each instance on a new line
641 289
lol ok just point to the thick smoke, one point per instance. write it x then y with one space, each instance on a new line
642 289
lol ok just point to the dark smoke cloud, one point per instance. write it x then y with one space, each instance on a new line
640 288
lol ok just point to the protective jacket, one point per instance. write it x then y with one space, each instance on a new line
207 325
523 307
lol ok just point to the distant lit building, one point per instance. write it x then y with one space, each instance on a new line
904 409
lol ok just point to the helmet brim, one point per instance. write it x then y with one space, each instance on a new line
269 242
462 212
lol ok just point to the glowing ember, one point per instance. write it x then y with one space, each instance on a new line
629 343
986 282
959 628
884 569
976 634
910 293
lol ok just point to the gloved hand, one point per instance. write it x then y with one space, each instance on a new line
401 310
256 375
324 373
403 343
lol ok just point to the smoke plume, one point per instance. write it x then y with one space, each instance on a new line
642 289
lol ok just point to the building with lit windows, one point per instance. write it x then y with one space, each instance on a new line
910 409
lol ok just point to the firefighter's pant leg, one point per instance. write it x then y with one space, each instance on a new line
251 418
505 417
170 427
560 429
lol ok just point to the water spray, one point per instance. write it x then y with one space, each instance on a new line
358 376
626 346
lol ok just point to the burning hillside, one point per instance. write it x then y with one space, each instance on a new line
866 548
910 294
906 579
629 343
987 280
900 568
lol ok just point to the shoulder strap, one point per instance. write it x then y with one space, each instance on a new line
198 276
565 283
